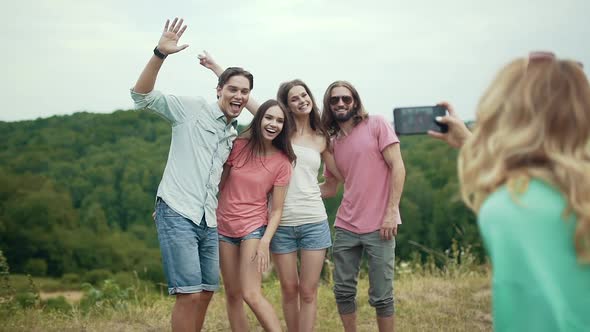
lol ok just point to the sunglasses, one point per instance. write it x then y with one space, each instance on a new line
345 99
540 56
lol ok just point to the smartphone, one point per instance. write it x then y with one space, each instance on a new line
418 120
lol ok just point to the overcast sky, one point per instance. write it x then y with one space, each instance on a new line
65 56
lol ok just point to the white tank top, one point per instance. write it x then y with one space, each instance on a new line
303 203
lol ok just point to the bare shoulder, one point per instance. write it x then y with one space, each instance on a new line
311 141
319 139
320 142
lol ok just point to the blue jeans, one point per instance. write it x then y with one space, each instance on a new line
313 236
190 252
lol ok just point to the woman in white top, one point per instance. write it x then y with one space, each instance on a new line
304 227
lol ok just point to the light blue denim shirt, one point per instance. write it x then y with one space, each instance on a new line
201 143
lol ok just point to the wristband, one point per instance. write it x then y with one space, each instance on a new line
159 54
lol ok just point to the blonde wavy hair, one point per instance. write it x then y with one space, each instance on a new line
533 122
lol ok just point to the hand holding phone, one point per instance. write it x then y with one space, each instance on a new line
457 134
418 120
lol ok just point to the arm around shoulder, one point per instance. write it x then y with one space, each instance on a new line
207 61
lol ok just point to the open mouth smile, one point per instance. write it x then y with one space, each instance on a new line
271 130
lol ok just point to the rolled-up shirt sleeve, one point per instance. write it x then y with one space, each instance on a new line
170 107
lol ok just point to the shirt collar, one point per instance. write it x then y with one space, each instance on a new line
220 116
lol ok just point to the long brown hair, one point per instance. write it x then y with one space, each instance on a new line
328 119
314 117
533 122
255 146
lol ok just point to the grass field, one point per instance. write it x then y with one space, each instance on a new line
423 303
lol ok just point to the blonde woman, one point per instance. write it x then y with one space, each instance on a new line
525 171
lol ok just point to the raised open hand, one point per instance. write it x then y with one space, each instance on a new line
206 60
168 43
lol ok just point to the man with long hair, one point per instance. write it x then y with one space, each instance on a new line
367 153
202 137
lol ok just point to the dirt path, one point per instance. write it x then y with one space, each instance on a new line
70 296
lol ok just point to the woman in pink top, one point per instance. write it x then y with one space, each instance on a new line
258 167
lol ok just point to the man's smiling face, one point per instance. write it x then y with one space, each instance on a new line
233 96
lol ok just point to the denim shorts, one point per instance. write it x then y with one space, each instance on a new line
190 252
255 234
313 236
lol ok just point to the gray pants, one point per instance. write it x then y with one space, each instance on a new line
347 251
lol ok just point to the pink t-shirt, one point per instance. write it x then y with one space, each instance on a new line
366 175
243 202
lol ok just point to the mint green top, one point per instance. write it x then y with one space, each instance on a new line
537 284
200 144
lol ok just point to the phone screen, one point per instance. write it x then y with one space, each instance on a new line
418 120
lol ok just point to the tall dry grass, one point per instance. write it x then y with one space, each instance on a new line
424 302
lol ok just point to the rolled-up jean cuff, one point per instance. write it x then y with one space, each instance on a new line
385 311
345 308
192 289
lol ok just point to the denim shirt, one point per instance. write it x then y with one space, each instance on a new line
201 143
